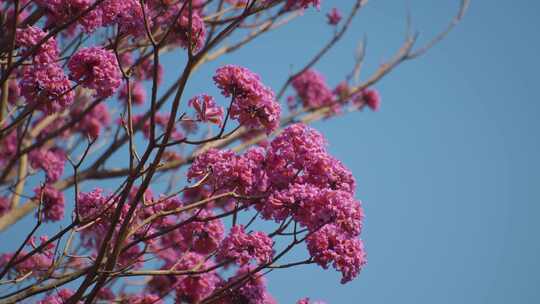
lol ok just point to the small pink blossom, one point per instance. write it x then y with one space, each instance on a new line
242 247
207 109
334 16
368 97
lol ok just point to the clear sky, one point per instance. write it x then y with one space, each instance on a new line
448 169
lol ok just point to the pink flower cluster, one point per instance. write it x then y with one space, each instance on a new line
243 247
97 69
195 288
5 205
60 10
254 104
329 245
313 92
224 171
31 36
302 4
207 109
51 161
293 177
368 97
59 297
34 265
193 37
253 291
52 203
44 83
138 93
312 89
46 87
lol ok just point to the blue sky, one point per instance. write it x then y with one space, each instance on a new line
447 170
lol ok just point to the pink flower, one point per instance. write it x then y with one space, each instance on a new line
127 14
95 68
8 147
36 264
58 297
183 34
51 161
334 16
302 4
5 205
368 97
227 171
144 299
138 93
93 121
200 235
197 287
252 291
59 10
254 104
31 36
207 109
330 246
242 247
52 202
47 87
295 148
312 89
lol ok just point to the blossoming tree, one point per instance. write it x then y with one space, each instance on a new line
113 179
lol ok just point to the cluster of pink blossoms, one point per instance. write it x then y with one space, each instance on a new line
33 265
43 84
52 203
302 4
312 89
313 92
95 68
51 161
5 205
295 178
253 291
243 247
253 104
60 10
58 297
